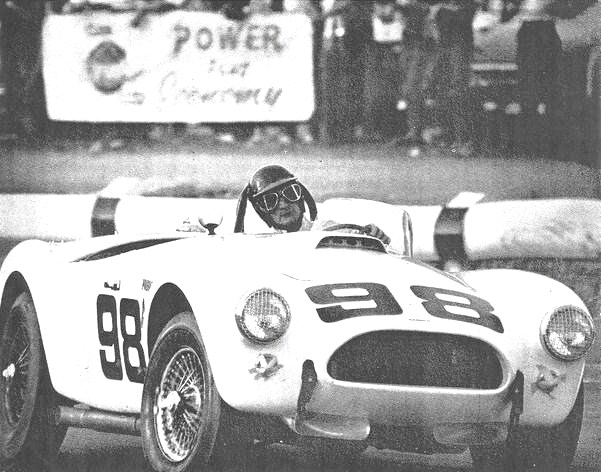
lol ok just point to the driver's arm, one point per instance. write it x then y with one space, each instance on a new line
370 229
373 230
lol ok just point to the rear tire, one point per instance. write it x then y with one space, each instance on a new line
545 449
28 436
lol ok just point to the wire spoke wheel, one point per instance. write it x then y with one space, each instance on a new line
27 398
180 400
180 403
16 371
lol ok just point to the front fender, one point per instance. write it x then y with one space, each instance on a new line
521 300
27 261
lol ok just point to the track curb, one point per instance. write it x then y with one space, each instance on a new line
546 228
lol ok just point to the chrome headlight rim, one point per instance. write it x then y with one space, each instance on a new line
547 343
243 318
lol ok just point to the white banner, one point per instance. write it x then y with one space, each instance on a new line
178 67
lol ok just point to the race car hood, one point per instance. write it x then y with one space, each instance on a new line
310 256
304 256
319 256
336 264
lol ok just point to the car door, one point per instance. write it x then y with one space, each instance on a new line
106 362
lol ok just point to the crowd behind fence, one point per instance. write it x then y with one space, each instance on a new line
385 71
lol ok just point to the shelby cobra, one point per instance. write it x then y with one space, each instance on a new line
205 343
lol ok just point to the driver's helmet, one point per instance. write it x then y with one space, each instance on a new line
265 187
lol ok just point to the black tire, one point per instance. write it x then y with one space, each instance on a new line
28 436
181 438
548 449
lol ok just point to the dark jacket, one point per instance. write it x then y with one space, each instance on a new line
415 16
455 24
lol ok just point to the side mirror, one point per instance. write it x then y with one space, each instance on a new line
408 234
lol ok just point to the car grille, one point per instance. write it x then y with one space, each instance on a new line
417 359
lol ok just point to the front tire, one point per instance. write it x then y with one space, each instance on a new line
28 436
546 449
180 403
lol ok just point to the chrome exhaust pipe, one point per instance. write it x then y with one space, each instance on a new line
97 420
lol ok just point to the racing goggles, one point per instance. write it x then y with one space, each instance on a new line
268 201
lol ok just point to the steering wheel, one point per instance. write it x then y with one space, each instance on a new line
340 226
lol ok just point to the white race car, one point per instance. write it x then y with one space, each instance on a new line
205 343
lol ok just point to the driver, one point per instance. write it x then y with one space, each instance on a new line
280 200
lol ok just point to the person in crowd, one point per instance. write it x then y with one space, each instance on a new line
538 56
509 8
396 73
415 74
382 66
346 35
20 43
281 200
450 25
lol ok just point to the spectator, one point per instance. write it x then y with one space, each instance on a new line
451 22
20 40
237 10
538 56
346 35
509 9
396 74
415 75
382 66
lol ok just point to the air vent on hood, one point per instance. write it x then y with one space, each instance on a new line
351 242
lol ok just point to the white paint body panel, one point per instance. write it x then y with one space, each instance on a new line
215 272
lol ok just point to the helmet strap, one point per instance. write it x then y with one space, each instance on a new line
308 198
241 210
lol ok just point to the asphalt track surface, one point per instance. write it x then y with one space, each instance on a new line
88 451
197 167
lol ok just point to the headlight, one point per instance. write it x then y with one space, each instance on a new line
568 332
264 316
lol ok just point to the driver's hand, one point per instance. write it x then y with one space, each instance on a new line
376 232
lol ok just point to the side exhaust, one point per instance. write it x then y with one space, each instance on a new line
97 420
